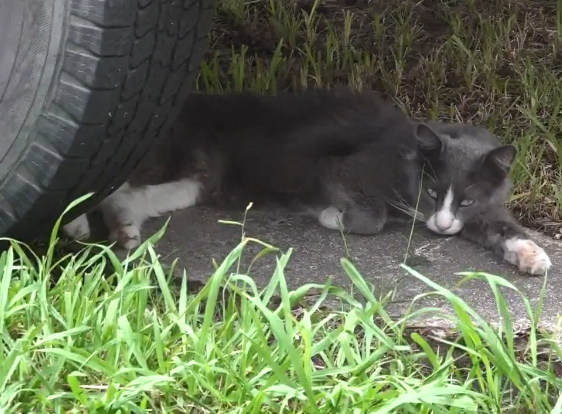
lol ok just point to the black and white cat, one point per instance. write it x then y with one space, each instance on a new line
351 159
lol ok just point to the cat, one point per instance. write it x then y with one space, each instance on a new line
351 159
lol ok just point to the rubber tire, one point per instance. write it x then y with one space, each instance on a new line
85 87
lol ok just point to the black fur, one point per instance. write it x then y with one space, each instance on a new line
311 150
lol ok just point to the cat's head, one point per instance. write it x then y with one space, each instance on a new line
465 172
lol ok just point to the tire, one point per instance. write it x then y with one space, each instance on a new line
85 87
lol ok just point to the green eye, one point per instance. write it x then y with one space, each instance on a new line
432 193
467 202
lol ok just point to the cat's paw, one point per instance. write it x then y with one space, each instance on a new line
126 236
331 218
78 229
527 256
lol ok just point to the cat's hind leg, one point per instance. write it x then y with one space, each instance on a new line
126 209
123 212
78 229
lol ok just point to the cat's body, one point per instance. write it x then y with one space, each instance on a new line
291 150
350 159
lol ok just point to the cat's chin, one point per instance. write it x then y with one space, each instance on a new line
447 233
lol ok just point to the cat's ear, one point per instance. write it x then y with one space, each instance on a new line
497 162
501 157
428 139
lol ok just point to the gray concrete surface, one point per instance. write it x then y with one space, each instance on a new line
195 237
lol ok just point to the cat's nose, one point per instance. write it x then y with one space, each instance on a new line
444 220
443 227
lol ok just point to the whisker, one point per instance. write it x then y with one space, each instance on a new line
408 210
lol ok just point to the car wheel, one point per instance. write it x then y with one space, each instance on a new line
85 87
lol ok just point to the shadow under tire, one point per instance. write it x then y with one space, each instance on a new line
85 87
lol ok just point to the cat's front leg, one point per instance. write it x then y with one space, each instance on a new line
497 229
527 256
355 220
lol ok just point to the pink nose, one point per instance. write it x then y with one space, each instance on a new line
444 220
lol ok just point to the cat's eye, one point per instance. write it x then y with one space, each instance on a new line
467 202
432 193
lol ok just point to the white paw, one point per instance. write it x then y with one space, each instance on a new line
331 218
127 236
527 256
78 229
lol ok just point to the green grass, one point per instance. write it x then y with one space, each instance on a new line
496 63
111 336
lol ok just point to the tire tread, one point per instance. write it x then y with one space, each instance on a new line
140 65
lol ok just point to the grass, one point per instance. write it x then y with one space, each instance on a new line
495 63
131 340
